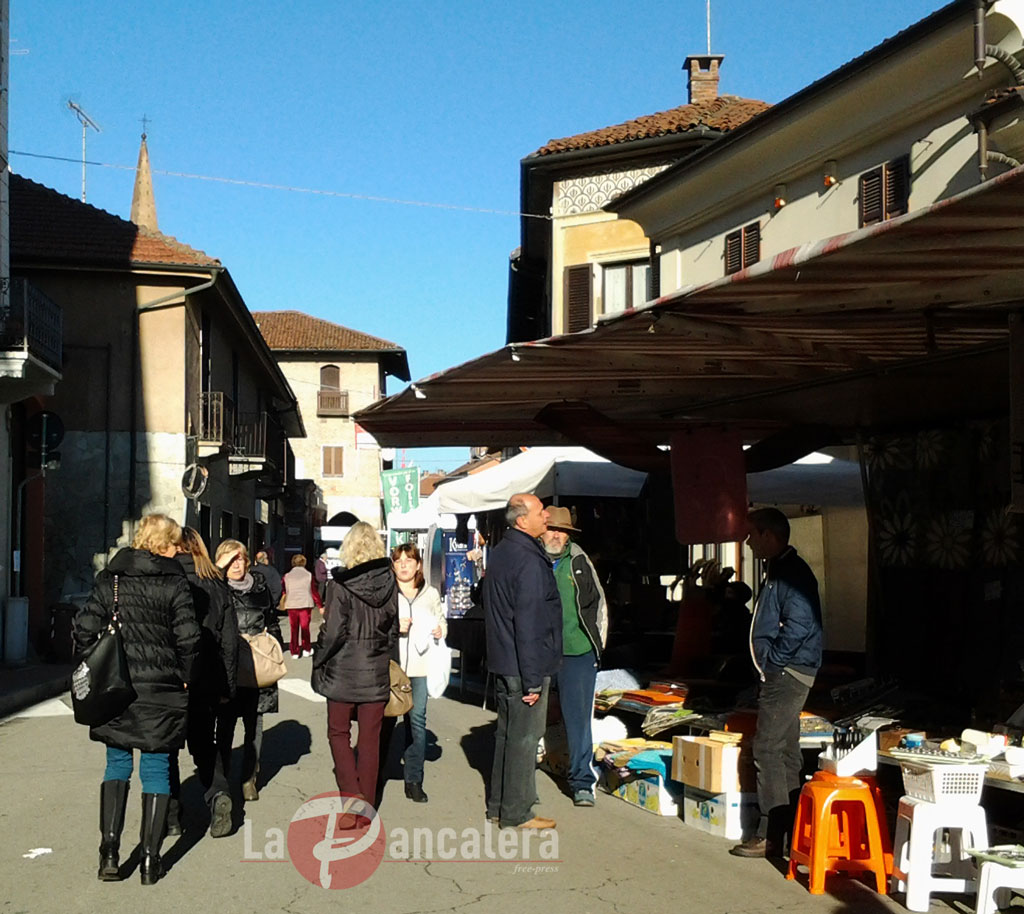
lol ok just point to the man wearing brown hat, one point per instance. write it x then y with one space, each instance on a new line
584 632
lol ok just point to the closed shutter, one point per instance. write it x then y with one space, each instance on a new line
751 244
579 294
871 197
733 252
897 187
654 273
333 460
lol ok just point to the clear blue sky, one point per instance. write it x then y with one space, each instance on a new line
428 101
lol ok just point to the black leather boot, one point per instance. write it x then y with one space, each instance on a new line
113 799
154 821
174 817
415 792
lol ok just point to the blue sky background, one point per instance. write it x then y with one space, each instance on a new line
428 101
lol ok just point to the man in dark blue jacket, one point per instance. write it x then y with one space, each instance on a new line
523 622
785 645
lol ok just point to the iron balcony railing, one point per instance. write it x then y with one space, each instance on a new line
32 323
332 403
258 436
217 418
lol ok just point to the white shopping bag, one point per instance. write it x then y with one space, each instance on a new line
439 668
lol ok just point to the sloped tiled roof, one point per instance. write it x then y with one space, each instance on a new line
293 330
49 227
725 113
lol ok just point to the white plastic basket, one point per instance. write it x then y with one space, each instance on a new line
949 784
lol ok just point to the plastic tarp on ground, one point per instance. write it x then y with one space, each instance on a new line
544 471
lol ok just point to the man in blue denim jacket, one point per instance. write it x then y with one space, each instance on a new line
785 645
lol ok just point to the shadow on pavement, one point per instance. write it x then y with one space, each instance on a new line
478 747
283 744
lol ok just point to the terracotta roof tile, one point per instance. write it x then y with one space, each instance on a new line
294 330
51 227
725 113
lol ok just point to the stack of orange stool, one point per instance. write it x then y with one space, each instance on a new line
840 826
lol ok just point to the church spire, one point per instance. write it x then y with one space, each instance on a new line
143 201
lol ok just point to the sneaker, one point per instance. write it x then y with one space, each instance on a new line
752 847
220 816
249 791
307 653
583 798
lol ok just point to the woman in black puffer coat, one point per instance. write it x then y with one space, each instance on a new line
211 719
351 657
161 637
254 608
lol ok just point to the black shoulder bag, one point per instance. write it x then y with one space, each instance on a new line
101 686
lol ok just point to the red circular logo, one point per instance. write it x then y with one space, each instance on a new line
336 840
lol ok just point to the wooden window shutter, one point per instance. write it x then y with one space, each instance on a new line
751 244
654 273
333 461
897 187
578 295
733 252
871 197
330 377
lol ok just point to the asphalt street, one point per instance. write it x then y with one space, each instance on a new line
611 858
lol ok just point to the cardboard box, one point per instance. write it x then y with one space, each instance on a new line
651 792
731 815
711 765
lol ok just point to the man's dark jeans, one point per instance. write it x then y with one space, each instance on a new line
777 751
514 772
575 683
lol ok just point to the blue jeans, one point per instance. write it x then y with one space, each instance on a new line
575 683
416 731
154 769
514 771
777 749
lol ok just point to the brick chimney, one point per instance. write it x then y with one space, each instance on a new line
702 70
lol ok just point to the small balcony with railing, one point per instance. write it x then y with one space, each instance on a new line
258 445
331 402
31 342
216 423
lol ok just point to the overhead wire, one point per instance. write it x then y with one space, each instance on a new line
267 185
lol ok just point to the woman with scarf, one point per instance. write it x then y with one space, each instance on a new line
254 608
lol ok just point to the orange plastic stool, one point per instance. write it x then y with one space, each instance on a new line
840 826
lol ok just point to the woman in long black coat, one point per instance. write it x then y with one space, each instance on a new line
161 637
255 610
210 709
351 657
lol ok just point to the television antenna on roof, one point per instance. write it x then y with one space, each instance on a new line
85 121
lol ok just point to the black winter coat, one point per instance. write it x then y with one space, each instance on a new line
216 670
522 611
255 611
359 634
161 639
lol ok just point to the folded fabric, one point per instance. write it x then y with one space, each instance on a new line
659 760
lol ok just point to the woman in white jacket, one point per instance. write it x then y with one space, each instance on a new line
421 624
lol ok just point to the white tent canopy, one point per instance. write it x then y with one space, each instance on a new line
546 472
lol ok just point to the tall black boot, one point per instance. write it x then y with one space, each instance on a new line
113 799
154 821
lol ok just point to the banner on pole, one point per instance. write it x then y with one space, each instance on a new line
401 489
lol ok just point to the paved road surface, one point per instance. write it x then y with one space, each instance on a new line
612 858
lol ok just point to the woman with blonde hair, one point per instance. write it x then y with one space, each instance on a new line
254 608
350 661
150 594
211 716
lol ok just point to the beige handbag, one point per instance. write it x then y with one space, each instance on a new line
400 696
267 665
